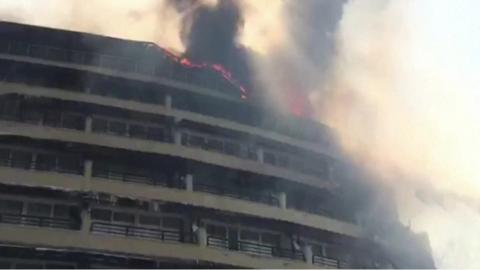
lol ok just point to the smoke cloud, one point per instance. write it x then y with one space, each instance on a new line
402 109
158 21
395 79
209 34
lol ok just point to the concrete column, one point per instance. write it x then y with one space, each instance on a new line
202 236
260 155
88 124
87 168
308 254
87 174
177 137
168 101
86 221
282 199
324 251
189 182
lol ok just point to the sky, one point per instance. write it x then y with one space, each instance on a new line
401 91
403 97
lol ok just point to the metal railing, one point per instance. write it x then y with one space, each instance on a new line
28 163
137 232
148 67
254 248
36 221
148 178
250 195
217 242
46 118
325 262
118 63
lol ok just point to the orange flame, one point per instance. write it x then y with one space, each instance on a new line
217 68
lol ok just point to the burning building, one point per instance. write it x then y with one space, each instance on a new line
116 153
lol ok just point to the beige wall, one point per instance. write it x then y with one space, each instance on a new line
81 240
66 135
147 192
162 110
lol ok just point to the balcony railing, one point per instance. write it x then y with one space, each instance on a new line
137 232
250 195
217 242
148 67
148 177
164 134
143 66
254 248
36 221
325 262
24 160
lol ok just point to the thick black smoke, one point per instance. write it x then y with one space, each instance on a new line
209 34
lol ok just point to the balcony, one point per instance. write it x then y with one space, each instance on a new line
51 162
36 221
171 189
145 67
262 250
132 225
10 110
147 247
137 232
249 195
247 116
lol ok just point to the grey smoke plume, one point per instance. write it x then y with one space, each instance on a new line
348 54
209 34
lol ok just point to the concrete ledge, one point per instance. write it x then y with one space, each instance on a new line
78 183
76 240
7 88
66 135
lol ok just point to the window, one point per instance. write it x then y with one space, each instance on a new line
99 125
138 131
19 48
118 128
217 231
249 235
4 157
56 54
101 214
52 118
39 209
75 57
69 164
46 162
283 161
21 159
73 121
11 207
269 158
155 133
123 217
195 140
215 145
31 116
271 239
8 109
172 223
232 148
150 220
61 211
